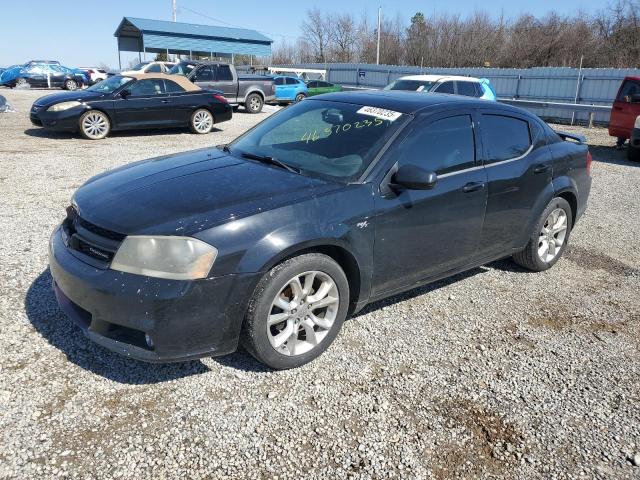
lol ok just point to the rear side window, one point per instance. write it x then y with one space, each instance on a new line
443 146
173 87
468 89
279 81
446 87
506 137
204 74
291 81
629 89
223 73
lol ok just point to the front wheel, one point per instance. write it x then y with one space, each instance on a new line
254 103
296 311
94 125
70 85
549 238
21 82
201 121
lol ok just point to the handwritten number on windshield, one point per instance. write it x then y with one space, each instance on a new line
312 136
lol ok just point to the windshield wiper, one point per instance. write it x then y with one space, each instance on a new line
271 161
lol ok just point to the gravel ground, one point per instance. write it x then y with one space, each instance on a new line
494 373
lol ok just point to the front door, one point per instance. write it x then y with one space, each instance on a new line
425 233
626 109
147 105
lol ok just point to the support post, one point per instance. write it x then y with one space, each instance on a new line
592 116
119 61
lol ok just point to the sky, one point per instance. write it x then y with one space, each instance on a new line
81 33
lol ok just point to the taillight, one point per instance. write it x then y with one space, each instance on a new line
589 160
220 98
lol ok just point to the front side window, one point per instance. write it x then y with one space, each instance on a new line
204 74
443 146
410 85
143 88
313 84
506 137
327 139
110 85
446 87
223 73
182 68
279 81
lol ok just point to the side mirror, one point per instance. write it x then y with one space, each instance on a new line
412 177
125 93
635 98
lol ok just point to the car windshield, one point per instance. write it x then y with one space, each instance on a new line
182 68
410 85
332 140
110 85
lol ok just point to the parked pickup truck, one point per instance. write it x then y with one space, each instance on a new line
250 91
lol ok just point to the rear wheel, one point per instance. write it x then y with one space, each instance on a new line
300 97
21 82
94 125
70 84
549 238
201 121
254 103
296 311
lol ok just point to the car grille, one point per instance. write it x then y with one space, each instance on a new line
92 241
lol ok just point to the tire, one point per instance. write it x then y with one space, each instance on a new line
94 125
300 97
235 108
70 85
318 275
533 256
20 82
201 121
253 103
633 154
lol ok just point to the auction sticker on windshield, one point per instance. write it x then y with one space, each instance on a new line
380 113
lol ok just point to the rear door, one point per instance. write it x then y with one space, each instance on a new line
468 89
447 87
625 110
182 103
148 105
519 172
226 83
423 233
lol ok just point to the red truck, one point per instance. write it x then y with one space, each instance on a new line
624 123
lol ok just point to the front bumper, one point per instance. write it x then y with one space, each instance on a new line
66 120
184 319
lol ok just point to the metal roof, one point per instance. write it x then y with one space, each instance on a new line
140 34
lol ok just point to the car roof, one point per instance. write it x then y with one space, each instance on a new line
179 79
412 102
438 78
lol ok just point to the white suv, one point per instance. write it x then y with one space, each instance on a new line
95 74
150 67
454 85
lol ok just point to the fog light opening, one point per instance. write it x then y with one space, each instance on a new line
149 340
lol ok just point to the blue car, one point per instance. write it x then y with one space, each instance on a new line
43 75
290 89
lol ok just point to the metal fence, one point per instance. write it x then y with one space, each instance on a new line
592 86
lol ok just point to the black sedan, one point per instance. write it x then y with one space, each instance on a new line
132 102
319 210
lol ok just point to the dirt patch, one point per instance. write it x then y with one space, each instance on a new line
485 443
594 260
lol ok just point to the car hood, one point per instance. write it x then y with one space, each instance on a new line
184 194
80 95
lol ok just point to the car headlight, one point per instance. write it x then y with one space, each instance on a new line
59 107
175 258
637 124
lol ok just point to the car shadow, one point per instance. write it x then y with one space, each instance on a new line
53 325
603 154
55 135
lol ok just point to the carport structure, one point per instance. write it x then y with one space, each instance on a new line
173 38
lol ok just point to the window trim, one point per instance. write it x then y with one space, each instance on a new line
508 114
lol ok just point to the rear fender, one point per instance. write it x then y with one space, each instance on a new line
536 211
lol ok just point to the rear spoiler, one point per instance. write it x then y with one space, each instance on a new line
572 136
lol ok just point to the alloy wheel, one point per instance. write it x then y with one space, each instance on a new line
95 125
553 235
254 104
303 313
71 85
202 121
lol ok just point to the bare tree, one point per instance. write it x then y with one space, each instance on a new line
316 31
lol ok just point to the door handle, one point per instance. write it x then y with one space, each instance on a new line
618 108
473 187
544 168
